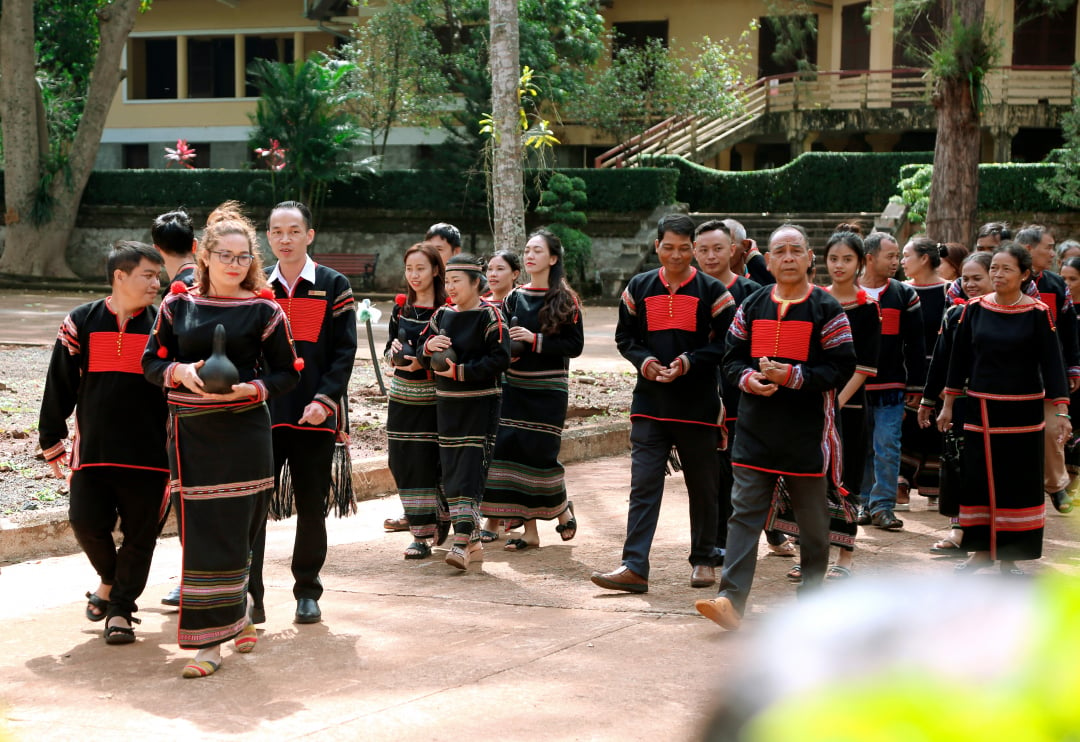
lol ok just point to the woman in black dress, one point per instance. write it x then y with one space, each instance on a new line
1008 360
220 452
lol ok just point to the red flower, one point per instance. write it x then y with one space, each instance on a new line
400 300
182 154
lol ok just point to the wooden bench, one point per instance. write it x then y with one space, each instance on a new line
358 266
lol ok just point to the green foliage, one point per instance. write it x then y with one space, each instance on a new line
1064 185
815 182
395 76
305 107
645 85
450 193
914 187
1002 187
563 203
796 34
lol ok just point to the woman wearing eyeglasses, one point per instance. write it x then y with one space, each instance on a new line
220 452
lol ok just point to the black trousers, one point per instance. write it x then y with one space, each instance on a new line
727 481
310 454
651 442
100 495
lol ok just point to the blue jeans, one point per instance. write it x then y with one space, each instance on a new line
883 467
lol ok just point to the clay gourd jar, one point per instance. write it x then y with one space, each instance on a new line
518 348
441 360
219 374
398 359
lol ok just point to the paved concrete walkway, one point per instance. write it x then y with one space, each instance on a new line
524 647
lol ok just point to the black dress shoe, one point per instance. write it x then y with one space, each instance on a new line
307 611
173 598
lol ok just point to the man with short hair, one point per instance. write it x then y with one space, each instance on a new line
990 235
1052 291
119 467
174 238
747 259
789 350
670 327
308 421
901 373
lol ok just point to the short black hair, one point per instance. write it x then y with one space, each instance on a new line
126 255
305 212
712 225
679 224
172 233
1022 257
448 232
995 229
872 242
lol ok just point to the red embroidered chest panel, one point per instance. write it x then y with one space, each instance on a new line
678 312
781 339
890 321
117 351
305 317
1050 300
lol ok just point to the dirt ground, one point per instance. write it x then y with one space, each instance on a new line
26 482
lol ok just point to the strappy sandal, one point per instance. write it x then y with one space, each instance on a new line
418 550
461 556
121 634
519 544
96 601
948 547
795 573
786 549
836 573
488 536
570 527
396 524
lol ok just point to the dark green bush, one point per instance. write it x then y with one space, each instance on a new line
1012 186
813 182
450 192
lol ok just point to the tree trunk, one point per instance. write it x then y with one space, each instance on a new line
954 189
507 171
39 249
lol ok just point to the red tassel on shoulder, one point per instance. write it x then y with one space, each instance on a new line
298 364
860 297
178 287
266 292
958 301
162 352
400 300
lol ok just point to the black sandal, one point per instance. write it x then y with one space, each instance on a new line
417 550
121 634
96 601
570 526
519 544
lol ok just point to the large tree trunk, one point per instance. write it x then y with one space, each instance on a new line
954 189
507 171
38 249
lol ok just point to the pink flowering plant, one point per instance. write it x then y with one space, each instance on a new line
273 156
183 154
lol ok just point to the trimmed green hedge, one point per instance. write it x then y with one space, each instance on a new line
453 192
813 182
1011 186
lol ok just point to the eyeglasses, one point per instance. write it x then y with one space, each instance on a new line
227 258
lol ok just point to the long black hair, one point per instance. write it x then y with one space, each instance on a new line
561 304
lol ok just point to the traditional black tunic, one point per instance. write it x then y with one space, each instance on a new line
220 453
525 480
412 427
468 407
1009 360
902 359
920 451
96 370
865 322
812 334
1053 292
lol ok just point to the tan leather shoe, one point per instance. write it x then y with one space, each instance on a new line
702 576
720 611
622 578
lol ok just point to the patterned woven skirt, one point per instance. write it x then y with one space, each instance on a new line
1002 504
412 435
222 465
526 479
467 426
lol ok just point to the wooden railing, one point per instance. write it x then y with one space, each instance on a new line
836 90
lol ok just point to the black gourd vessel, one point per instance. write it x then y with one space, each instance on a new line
441 360
219 374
